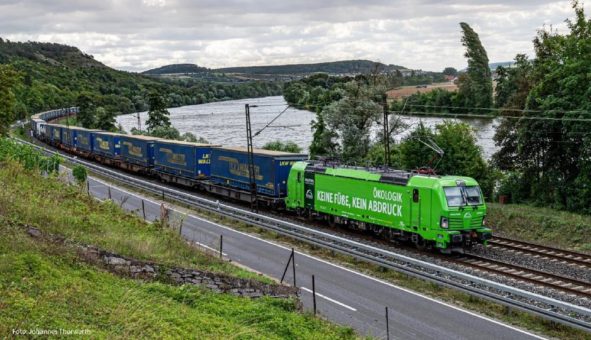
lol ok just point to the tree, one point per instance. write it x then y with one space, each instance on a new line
278 145
461 154
552 141
323 139
80 174
450 71
512 90
105 119
9 78
350 120
86 111
158 115
476 87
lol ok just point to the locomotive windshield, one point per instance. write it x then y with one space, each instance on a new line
460 196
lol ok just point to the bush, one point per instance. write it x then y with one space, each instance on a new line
288 146
80 174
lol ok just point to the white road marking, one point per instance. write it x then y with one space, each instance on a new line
329 299
210 248
345 269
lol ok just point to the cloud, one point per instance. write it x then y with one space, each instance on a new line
136 35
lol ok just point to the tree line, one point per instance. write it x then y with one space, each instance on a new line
54 75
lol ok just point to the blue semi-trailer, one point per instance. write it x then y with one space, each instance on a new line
230 169
137 152
54 133
106 145
182 162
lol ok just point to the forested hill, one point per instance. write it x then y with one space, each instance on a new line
177 68
336 67
55 75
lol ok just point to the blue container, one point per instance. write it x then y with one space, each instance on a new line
229 167
83 139
138 150
106 144
183 159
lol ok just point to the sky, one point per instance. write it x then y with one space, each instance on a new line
136 35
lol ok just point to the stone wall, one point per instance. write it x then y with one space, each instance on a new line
144 270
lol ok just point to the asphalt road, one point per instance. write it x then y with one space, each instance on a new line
343 295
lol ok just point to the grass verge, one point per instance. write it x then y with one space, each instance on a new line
45 287
546 226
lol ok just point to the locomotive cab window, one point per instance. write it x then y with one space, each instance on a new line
299 177
454 196
460 196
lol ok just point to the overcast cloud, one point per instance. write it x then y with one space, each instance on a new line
137 35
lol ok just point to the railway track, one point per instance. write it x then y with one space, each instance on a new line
557 282
550 308
539 251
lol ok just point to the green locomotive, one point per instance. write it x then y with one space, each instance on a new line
446 212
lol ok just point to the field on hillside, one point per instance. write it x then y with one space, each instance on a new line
405 91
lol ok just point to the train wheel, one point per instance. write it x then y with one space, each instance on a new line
331 221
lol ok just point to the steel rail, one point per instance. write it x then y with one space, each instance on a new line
520 273
562 255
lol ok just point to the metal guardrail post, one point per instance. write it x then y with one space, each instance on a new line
314 293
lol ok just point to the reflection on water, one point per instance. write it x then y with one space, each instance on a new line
224 123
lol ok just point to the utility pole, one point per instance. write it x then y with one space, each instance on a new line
250 151
386 133
139 123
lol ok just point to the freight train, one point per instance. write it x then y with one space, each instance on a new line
443 212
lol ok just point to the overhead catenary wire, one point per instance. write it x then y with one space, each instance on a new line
469 115
498 109
272 120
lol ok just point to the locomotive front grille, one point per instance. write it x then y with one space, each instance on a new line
456 223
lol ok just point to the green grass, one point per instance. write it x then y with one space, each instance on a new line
53 207
542 225
45 286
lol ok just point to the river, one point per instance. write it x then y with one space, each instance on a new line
224 123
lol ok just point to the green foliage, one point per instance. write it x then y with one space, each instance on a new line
349 120
512 90
335 67
476 84
170 133
158 115
278 145
323 139
105 119
462 156
189 137
86 115
8 80
30 158
553 154
450 71
317 91
177 68
80 174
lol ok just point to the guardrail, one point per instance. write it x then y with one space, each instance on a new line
546 307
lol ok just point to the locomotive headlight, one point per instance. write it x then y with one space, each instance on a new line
484 220
444 222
